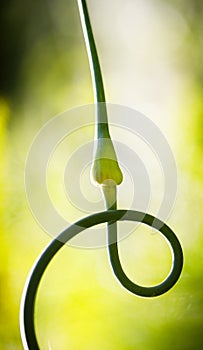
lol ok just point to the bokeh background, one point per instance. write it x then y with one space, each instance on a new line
151 53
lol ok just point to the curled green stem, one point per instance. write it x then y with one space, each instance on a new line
108 184
111 217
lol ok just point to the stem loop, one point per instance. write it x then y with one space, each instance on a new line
29 294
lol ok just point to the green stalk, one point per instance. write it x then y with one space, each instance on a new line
97 81
105 171
105 168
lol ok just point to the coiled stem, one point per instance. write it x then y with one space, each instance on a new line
111 215
29 295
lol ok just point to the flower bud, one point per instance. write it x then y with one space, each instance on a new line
105 170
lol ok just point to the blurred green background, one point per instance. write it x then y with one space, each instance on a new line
151 54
